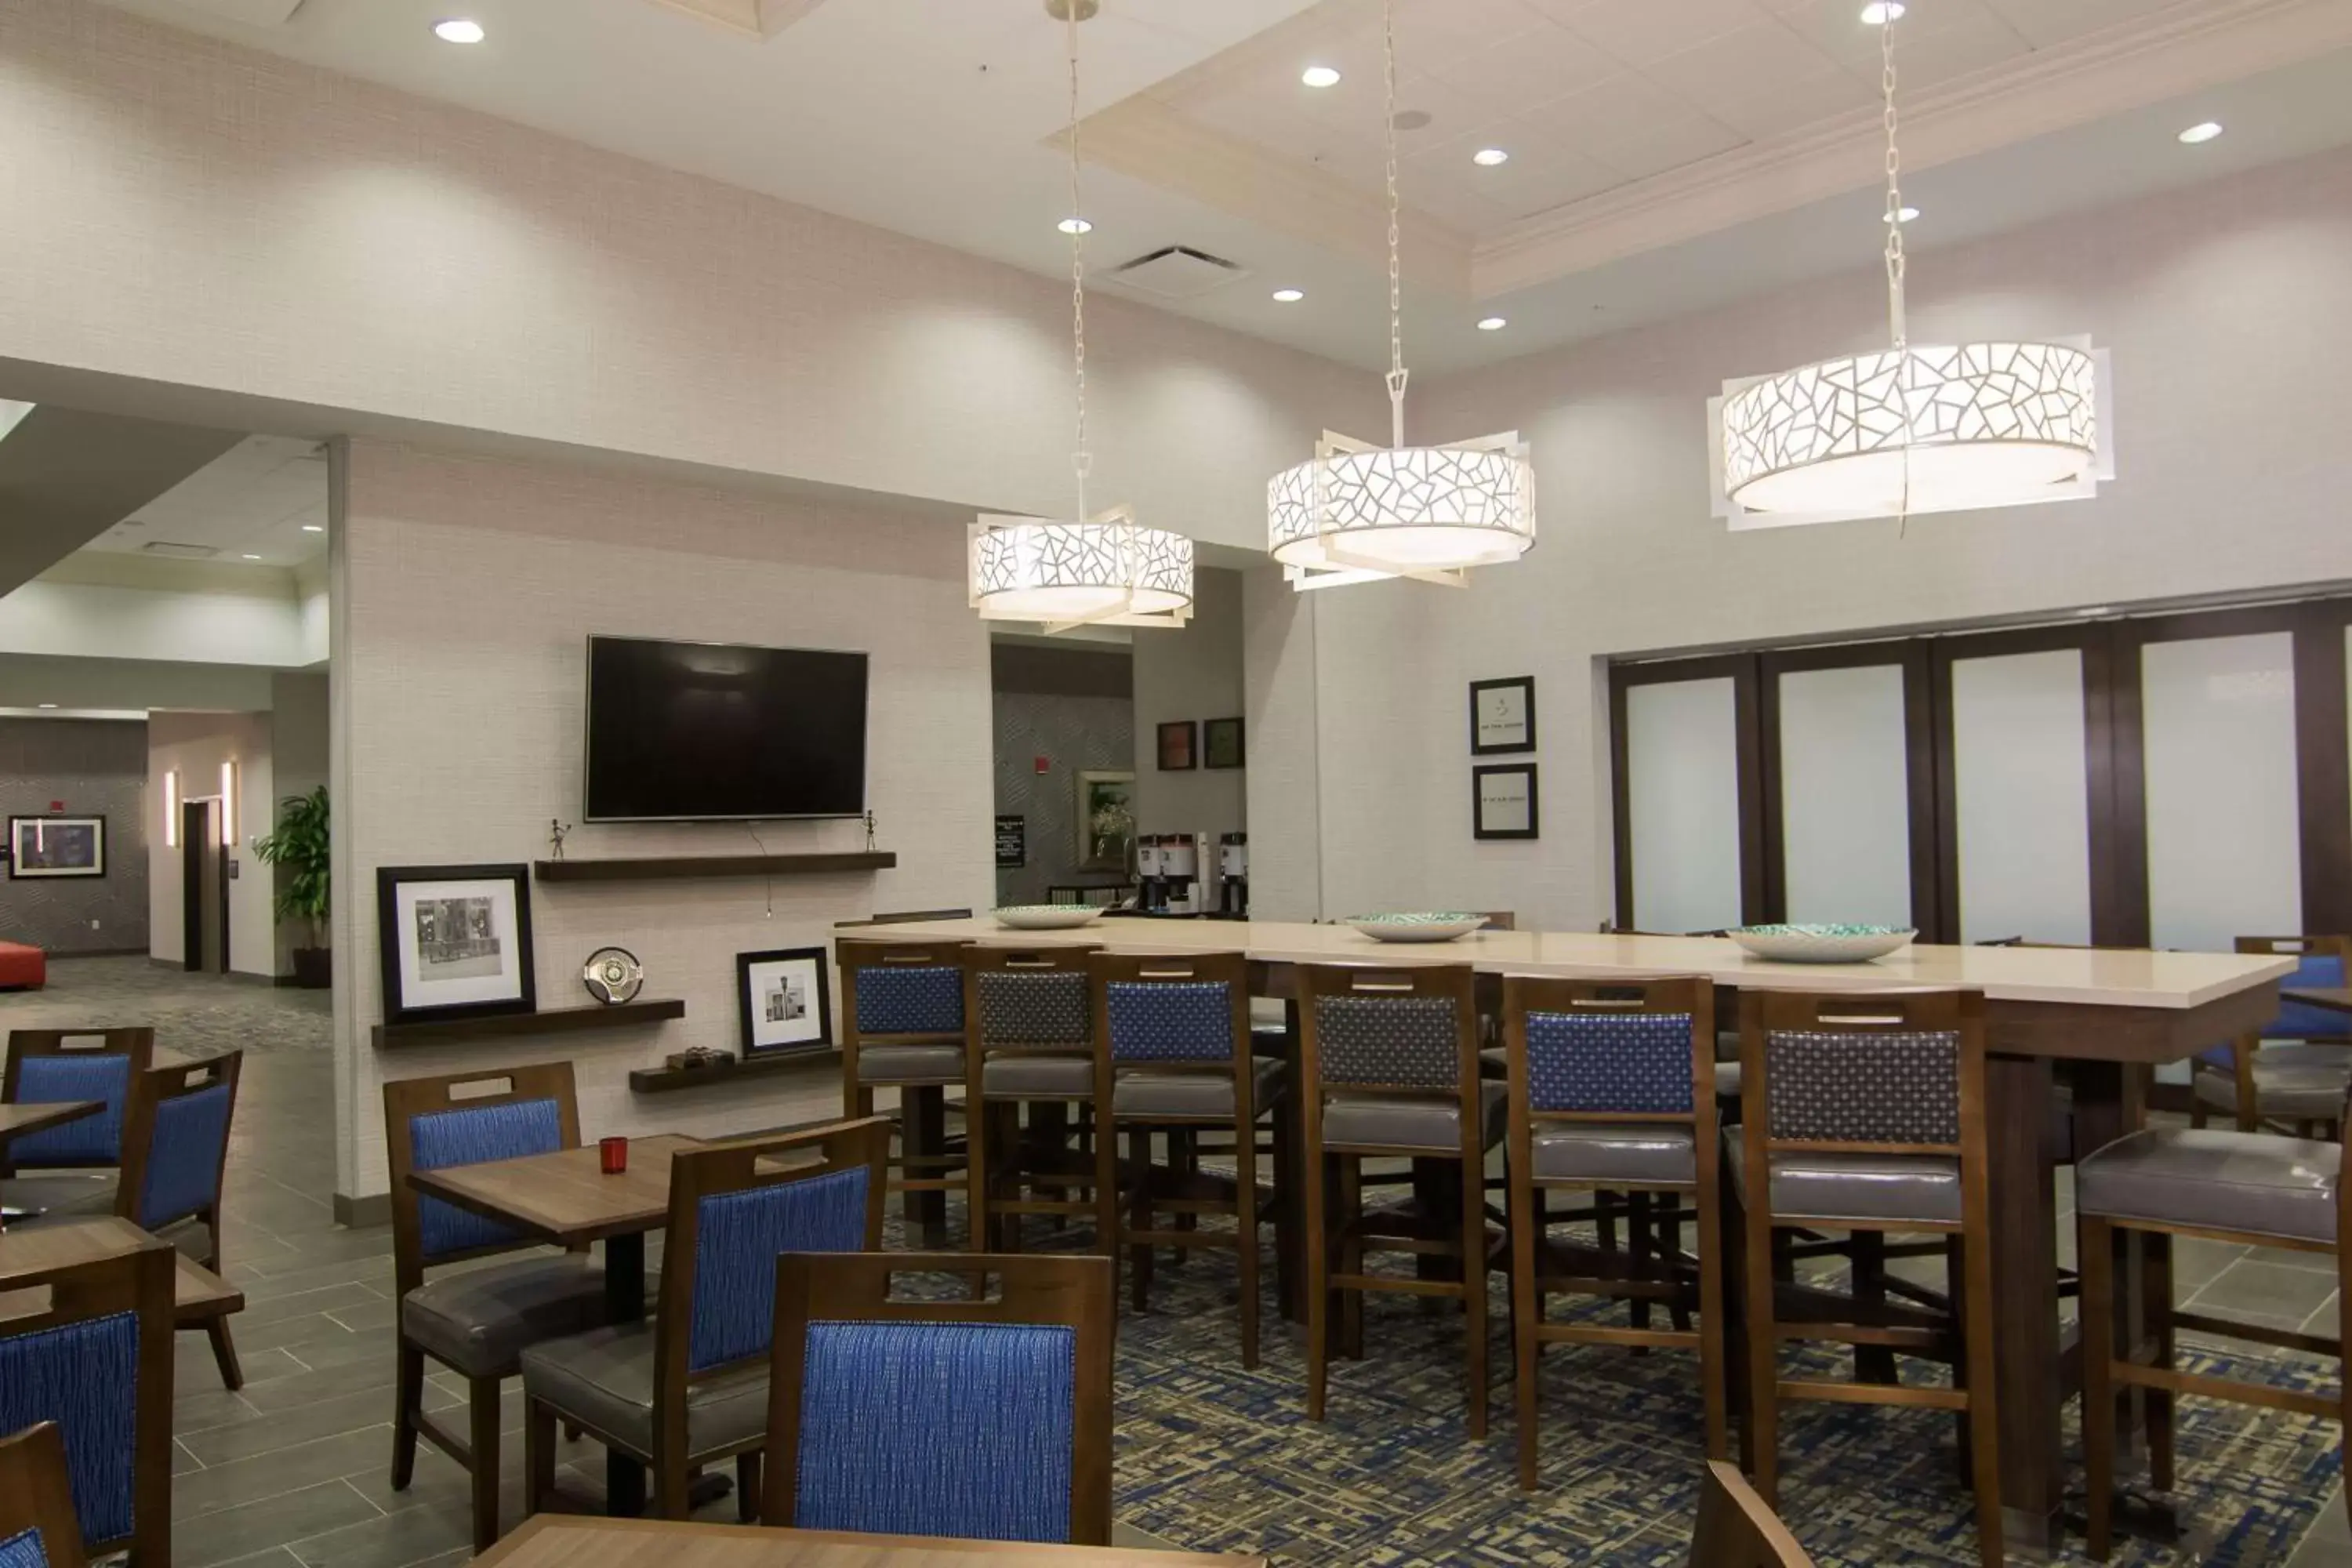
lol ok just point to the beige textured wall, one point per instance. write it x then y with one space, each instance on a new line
467 589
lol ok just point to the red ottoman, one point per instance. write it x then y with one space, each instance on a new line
22 966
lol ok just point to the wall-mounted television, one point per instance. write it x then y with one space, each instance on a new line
682 732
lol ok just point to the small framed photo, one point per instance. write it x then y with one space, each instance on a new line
785 1006
1503 801
56 847
1503 716
1106 814
1179 751
456 941
1221 743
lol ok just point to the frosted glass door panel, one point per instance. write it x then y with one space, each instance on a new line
2020 777
1681 767
2217 718
1846 795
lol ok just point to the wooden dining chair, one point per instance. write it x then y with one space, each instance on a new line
1029 1064
96 1358
46 1066
37 1528
1612 1087
2258 1085
690 1387
1389 1068
1737 1528
1866 1113
174 1158
981 1419
903 1030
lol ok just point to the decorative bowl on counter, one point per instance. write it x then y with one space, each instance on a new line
1821 944
1046 917
1418 925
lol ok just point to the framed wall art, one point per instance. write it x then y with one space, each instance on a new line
1180 749
1106 821
1221 743
1502 716
1503 801
456 942
786 1005
41 847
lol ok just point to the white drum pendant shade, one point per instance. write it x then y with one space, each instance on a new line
1359 513
1106 572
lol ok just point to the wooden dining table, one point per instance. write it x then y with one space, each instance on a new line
2333 998
198 1295
2101 1013
558 1541
16 1119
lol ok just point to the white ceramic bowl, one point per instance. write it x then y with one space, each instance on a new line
1443 925
1821 944
1046 917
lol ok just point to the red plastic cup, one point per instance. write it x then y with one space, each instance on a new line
616 1152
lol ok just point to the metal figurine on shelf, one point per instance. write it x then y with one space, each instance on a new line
556 829
869 832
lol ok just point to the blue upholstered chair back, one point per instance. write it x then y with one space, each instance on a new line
1638 1063
738 1237
1170 1021
94 1140
22 1550
1402 1042
183 1155
926 1000
1851 1087
471 1137
1045 1008
954 1429
84 1376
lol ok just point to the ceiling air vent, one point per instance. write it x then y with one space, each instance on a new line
1179 273
178 552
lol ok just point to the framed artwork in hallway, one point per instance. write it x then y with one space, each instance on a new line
456 942
56 847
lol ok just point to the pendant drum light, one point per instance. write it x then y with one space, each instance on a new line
1362 513
1101 570
1912 429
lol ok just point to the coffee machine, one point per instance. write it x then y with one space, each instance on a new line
1180 874
1232 876
1150 891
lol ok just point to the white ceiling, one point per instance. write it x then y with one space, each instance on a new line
258 502
1667 155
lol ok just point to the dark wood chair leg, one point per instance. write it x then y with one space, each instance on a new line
923 1133
1643 1239
1138 1213
1734 1229
1245 1235
538 1456
1984 1423
225 1354
673 1489
1527 1314
747 1486
482 1439
2155 1273
1351 1255
1872 1364
408 1396
2097 1266
1318 1281
1473 1292
1286 1238
1763 1360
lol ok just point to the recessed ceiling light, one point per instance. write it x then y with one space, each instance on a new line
1487 157
314 528
2204 130
49 705
1494 324
1289 296
1075 225
253 558
459 30
1319 75
1878 13
2096 610
1906 215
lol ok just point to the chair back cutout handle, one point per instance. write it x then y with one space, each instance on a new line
481 1088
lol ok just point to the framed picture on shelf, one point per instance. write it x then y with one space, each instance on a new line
56 847
1106 821
1179 751
456 942
786 1005
1503 801
1502 716
1221 743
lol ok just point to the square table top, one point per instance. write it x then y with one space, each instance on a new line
557 1541
2334 998
36 1116
197 1293
565 1197
2109 977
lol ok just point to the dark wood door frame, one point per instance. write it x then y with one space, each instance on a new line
199 835
1741 670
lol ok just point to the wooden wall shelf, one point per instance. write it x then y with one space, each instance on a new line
547 1021
662 1079
669 867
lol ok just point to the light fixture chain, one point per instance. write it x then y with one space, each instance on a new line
1396 268
1080 460
1898 327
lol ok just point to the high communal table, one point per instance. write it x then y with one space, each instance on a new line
2097 1011
554 1541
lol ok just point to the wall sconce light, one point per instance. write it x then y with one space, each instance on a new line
172 809
229 805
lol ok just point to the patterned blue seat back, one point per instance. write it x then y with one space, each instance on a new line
183 1158
439 1138
85 1377
2301 1020
1639 1062
1043 1008
94 1140
926 1001
1406 1042
22 1550
1170 1021
738 1236
1846 1087
955 1430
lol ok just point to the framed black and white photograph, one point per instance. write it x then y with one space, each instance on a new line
1221 743
456 942
786 1005
1503 716
57 847
1503 801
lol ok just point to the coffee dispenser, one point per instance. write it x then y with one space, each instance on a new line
1180 873
1232 876
1152 890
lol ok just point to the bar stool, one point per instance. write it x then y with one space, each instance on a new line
1172 1052
1030 1046
1867 1114
2254 1084
2246 1187
1612 1087
903 1006
1389 1068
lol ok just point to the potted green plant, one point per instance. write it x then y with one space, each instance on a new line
301 849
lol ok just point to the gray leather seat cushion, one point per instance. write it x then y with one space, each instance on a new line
2215 1180
1014 1077
1633 1152
480 1320
1874 1187
605 1377
2301 1091
910 1064
60 1197
1410 1122
1727 1080
1192 1093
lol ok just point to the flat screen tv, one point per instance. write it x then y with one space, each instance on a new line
683 731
